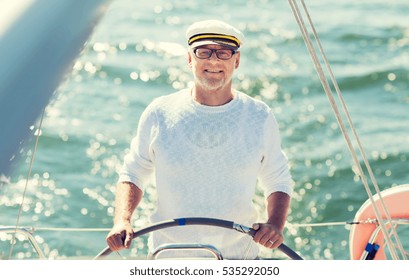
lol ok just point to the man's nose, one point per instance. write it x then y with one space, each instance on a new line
213 56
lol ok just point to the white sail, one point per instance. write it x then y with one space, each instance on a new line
39 41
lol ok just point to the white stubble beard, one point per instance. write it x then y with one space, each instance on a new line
209 83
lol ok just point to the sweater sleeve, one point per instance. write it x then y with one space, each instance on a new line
138 162
274 174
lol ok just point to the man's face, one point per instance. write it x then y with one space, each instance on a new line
213 73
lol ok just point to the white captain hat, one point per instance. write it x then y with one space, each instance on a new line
208 32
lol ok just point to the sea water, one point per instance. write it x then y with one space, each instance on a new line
138 52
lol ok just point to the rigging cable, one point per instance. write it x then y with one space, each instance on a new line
328 91
38 132
367 165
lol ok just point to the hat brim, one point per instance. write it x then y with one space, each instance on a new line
219 42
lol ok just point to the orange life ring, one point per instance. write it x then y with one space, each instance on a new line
396 200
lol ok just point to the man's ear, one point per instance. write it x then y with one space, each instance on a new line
237 60
189 59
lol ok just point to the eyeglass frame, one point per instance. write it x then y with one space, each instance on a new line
233 52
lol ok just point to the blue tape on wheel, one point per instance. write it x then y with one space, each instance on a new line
182 222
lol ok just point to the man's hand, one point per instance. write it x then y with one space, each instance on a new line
268 235
120 237
127 198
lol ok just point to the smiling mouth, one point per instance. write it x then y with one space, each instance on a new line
213 71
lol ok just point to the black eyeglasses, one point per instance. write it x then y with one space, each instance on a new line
223 54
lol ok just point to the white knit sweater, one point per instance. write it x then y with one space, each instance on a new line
206 161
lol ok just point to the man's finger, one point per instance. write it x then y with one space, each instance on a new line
256 226
128 240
